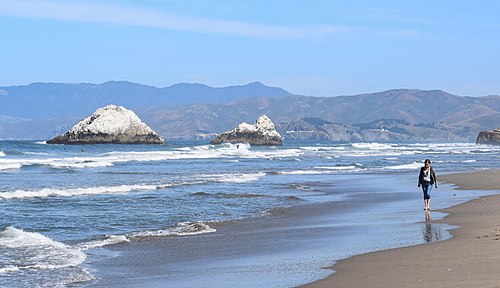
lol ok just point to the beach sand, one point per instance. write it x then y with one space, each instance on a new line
470 259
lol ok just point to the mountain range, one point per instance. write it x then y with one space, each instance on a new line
46 100
198 112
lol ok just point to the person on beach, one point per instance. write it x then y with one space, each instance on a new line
426 179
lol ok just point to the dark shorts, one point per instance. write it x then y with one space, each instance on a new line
427 188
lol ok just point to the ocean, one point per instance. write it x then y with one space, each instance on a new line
63 209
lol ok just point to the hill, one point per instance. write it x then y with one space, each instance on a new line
45 100
196 111
402 114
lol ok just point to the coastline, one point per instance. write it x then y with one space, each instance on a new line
469 259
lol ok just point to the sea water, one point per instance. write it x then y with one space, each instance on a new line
58 203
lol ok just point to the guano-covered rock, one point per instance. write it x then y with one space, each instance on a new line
262 133
110 125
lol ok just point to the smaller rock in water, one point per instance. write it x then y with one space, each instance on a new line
262 133
110 125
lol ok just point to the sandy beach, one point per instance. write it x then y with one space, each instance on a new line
470 259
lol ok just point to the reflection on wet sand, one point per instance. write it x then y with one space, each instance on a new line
431 233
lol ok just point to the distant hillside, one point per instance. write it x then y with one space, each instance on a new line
196 111
406 115
44 100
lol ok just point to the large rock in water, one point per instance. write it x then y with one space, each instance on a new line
262 133
110 125
489 137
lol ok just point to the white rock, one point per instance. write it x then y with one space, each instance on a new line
110 124
262 132
112 120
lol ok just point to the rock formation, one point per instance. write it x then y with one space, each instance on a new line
110 125
262 133
489 137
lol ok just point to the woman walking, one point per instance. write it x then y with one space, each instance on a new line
426 179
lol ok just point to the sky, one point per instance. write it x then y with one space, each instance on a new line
313 47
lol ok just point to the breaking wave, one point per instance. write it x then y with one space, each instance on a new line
323 170
30 250
411 166
229 151
10 166
48 192
181 229
107 240
122 189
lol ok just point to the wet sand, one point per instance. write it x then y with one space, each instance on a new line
470 259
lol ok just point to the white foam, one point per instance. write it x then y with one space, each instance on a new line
47 192
197 152
68 162
372 146
36 251
411 166
235 177
324 170
2 154
324 148
9 166
337 168
122 189
35 153
9 269
181 229
306 172
108 240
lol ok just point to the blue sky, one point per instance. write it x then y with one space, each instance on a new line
315 47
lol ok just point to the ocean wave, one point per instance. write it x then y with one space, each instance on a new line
306 172
233 152
323 148
301 187
68 192
9 269
181 229
108 240
372 146
122 189
2 154
68 162
411 166
236 177
229 151
205 152
30 250
9 166
350 168
230 195
392 150
323 170
340 168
